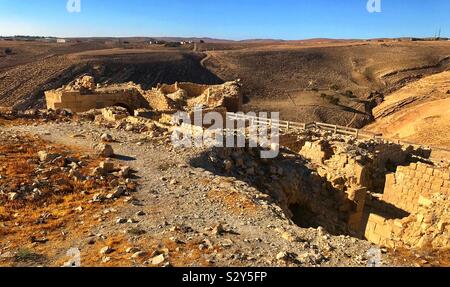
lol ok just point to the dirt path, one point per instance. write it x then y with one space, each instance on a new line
203 61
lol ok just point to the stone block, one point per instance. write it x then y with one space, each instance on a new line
376 218
423 201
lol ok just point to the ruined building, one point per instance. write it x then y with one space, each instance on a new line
84 94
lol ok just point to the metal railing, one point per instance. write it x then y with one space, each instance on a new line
287 126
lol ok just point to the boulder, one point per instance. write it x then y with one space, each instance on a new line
104 150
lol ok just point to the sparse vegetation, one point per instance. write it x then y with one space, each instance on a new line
8 51
172 45
329 98
349 94
334 87
27 255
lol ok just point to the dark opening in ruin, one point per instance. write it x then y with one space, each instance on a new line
303 216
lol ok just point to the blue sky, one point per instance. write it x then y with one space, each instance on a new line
227 19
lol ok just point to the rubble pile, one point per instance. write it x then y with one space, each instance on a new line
83 94
345 185
292 183
28 174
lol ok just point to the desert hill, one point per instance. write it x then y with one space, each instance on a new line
419 112
323 80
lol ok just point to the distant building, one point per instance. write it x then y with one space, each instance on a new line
61 41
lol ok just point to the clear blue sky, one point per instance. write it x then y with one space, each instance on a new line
229 19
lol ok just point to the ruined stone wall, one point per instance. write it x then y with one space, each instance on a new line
83 94
79 102
317 151
193 90
296 187
159 102
422 190
404 188
429 227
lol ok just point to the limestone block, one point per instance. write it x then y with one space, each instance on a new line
376 218
423 201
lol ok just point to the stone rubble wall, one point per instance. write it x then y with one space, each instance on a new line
78 102
186 96
404 188
83 94
422 190
344 164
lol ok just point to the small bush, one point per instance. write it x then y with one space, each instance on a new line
349 94
173 45
8 51
334 87
331 99
335 100
27 255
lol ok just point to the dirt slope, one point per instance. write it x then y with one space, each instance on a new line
419 112
292 78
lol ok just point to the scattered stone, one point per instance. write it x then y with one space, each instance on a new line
121 220
125 172
106 250
132 250
107 138
98 197
107 166
218 230
157 260
45 156
104 150
13 196
117 193
290 237
138 254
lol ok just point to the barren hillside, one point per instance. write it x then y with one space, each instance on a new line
292 78
419 112
337 82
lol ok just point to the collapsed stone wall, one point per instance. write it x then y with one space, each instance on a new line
422 190
297 188
366 166
84 94
404 187
348 162
186 96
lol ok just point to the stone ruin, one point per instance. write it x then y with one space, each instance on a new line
392 195
399 194
83 94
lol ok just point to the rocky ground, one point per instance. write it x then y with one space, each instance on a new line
179 215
